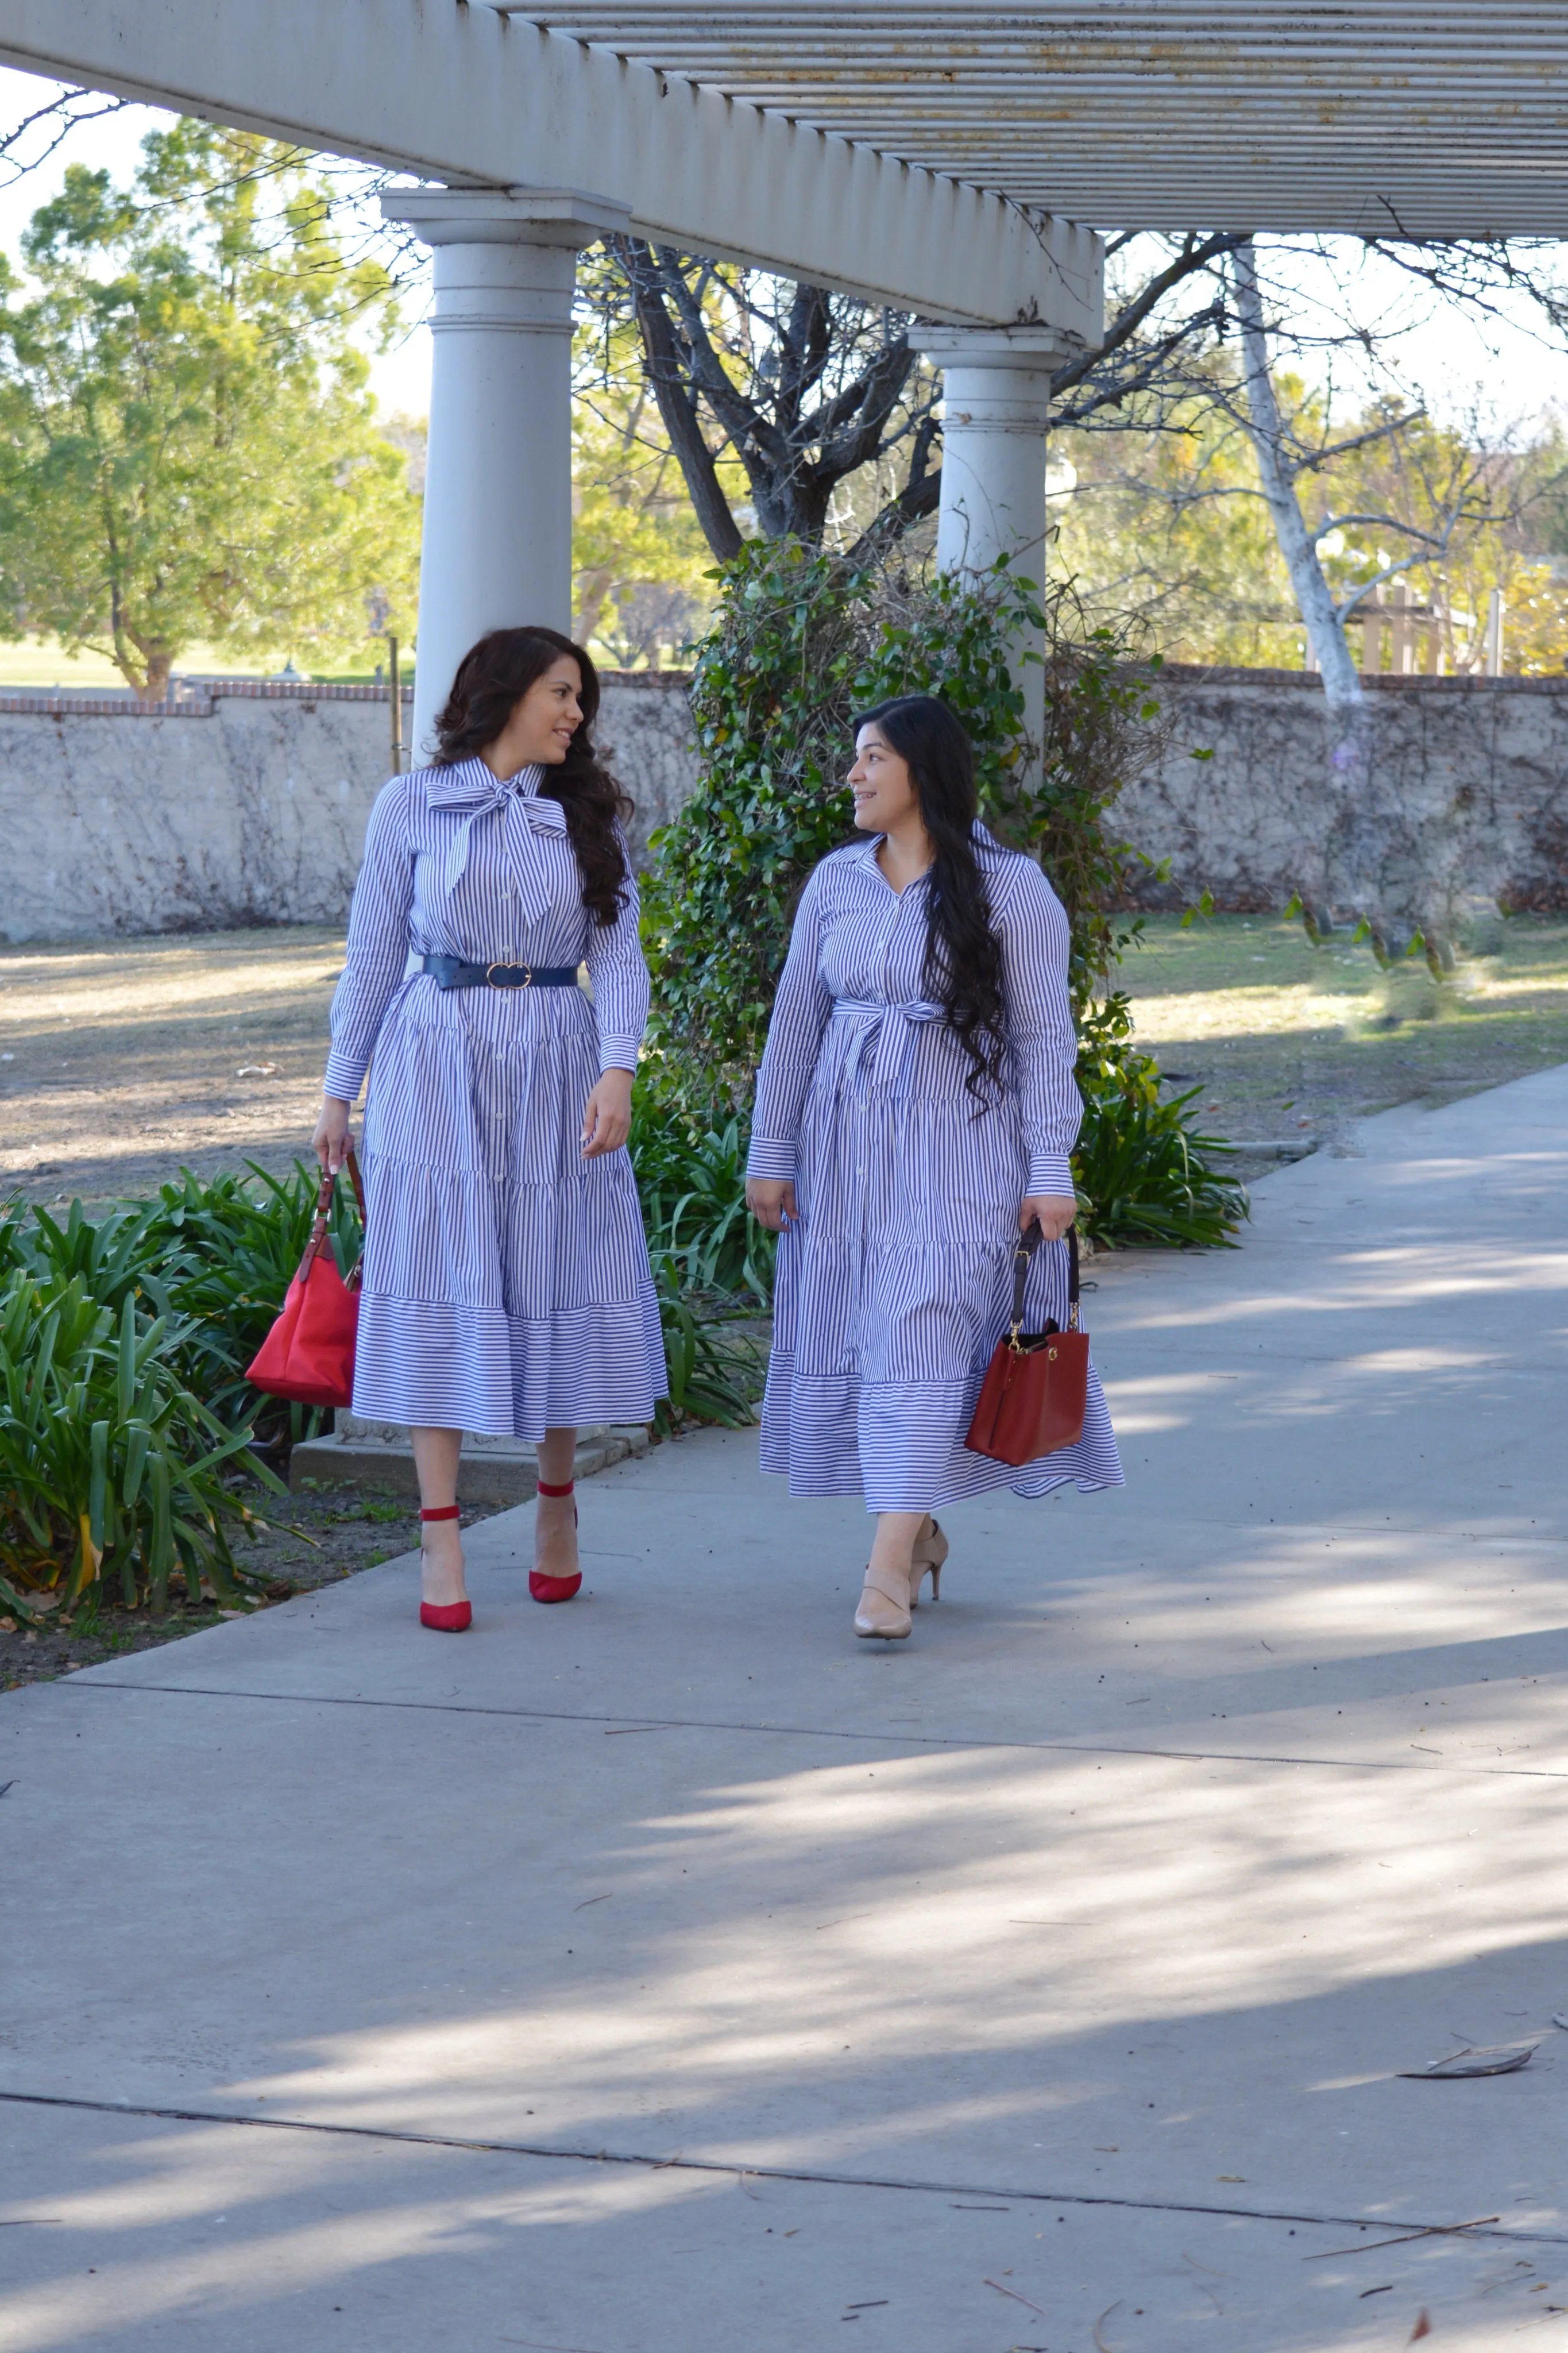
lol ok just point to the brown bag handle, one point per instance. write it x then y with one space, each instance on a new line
323 1207
357 1181
1028 1243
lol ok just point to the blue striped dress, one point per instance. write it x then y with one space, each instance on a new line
507 1288
896 1284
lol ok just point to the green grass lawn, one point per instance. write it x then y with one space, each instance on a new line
1290 1041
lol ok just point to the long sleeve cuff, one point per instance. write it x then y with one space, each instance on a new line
618 1053
771 1159
345 1076
1050 1172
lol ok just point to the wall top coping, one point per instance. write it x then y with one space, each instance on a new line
203 695
1374 681
198 702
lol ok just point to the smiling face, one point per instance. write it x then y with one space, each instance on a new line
884 790
544 720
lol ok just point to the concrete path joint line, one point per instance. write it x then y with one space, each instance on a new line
681 2164
820 1731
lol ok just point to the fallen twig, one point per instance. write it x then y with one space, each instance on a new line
1432 2231
1017 2299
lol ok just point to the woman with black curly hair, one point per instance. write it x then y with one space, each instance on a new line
506 1283
915 1111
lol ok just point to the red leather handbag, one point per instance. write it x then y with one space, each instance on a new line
1036 1385
309 1355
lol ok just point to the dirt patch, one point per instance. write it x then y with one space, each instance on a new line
314 1538
122 1062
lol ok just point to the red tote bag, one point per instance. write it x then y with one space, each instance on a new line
1036 1385
309 1355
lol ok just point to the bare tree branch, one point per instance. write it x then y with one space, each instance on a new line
46 129
677 403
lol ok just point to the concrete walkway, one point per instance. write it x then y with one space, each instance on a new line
673 1972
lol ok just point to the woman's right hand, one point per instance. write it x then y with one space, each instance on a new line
771 1200
332 1140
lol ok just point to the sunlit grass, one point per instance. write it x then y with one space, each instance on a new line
1290 1040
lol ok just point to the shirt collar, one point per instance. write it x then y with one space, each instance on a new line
864 853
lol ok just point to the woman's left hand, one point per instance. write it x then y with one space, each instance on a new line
1055 1212
607 1116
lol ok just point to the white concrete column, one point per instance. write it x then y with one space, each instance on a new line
497 547
996 405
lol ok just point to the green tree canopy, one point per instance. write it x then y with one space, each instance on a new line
189 451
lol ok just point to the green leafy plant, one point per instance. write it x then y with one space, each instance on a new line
215 1257
691 1176
1143 1177
112 1258
109 1465
774 682
226 1247
711 1378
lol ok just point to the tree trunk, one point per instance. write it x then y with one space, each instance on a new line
130 669
593 586
1357 841
157 689
1341 680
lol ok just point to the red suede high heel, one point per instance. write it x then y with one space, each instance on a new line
555 1588
446 1617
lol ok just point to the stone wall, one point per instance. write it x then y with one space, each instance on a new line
1463 799
243 803
246 802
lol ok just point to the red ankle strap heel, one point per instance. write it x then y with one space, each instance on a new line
555 1588
445 1617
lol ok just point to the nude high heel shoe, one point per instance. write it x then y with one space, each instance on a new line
893 1624
931 1551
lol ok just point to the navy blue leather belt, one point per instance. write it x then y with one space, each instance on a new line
451 972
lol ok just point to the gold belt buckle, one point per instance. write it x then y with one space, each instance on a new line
526 982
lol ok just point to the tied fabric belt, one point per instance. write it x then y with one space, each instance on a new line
451 972
883 1048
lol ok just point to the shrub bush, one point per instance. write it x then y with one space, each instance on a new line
228 1249
1143 1175
109 1464
802 640
215 1258
691 1176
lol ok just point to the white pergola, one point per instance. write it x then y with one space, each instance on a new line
953 161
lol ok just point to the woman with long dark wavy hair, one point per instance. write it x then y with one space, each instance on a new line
915 1110
506 1285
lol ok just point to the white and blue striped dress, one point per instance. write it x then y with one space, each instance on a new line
897 1282
507 1288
